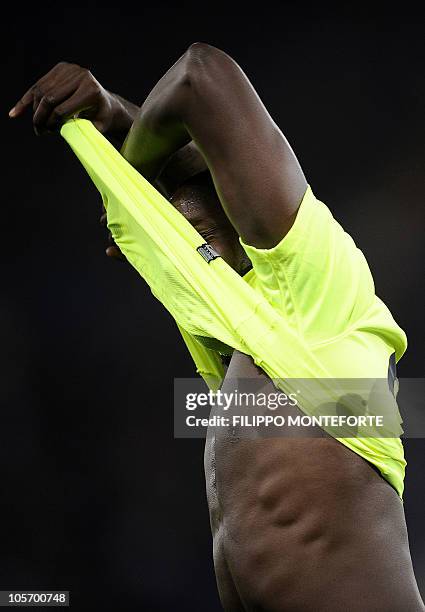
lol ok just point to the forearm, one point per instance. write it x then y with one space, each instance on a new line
158 130
124 113
184 164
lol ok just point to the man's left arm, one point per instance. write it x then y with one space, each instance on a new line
205 96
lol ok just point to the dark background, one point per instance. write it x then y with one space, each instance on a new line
96 495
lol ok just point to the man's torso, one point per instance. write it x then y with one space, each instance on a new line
302 523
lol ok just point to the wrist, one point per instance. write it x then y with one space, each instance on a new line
123 114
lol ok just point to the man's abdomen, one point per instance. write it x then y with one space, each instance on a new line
303 523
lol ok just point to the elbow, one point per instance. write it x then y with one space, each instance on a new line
200 51
202 62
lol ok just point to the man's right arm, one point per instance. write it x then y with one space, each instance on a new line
68 90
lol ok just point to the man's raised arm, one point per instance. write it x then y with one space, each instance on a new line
205 96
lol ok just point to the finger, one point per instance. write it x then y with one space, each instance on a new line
33 92
22 104
48 103
37 95
27 98
115 253
52 92
77 103
113 250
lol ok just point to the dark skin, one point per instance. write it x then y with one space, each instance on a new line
205 97
299 524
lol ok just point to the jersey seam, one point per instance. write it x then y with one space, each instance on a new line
291 296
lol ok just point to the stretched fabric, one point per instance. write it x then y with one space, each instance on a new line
292 339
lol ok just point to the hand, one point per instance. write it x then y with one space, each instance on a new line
65 91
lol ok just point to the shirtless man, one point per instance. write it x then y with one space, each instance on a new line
299 524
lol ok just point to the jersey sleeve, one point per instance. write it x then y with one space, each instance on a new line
319 280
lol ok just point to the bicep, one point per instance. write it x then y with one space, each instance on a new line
256 174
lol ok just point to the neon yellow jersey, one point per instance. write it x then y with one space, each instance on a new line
307 310
321 283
